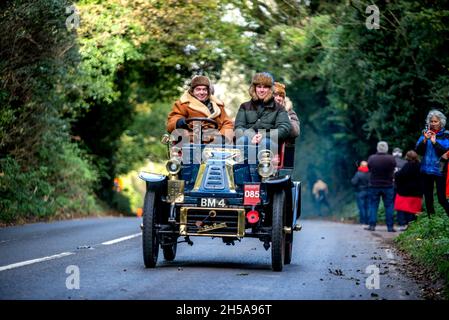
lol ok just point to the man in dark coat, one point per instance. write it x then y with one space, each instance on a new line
381 165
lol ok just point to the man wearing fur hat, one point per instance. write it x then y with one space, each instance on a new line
199 102
257 117
280 97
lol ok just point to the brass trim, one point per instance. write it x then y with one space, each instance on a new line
287 230
175 190
178 163
230 176
199 177
240 222
183 221
214 226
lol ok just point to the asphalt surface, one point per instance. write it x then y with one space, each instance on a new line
331 261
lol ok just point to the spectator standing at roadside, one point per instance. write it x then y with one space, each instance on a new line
432 145
381 166
408 201
360 181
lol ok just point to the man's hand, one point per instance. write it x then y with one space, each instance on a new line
256 139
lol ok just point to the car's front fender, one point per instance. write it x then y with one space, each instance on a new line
278 180
153 180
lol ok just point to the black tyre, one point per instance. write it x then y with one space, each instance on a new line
277 234
149 234
288 249
170 251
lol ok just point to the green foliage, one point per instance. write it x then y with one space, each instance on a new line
427 241
24 193
141 141
61 184
41 172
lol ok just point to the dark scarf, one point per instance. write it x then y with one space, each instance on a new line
209 105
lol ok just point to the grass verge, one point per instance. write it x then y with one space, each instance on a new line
426 241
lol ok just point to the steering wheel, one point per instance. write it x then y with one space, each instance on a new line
211 121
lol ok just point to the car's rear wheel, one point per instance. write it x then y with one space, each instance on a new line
149 233
278 243
170 251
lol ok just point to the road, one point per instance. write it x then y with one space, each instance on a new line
331 261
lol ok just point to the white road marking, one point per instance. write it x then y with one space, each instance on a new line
28 262
121 239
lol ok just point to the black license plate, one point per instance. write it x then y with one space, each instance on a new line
213 202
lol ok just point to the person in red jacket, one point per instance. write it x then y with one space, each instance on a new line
408 201
360 181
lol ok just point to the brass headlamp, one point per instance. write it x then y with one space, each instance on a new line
265 167
173 166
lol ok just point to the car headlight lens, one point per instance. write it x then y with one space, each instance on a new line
173 166
265 169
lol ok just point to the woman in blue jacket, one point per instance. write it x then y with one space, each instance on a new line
434 143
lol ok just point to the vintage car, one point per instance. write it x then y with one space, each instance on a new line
213 190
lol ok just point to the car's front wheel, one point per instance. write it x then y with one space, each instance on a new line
277 233
149 233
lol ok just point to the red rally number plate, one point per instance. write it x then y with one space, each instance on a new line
251 195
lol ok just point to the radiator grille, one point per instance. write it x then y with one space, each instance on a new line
212 222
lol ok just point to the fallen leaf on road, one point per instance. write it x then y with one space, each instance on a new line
336 272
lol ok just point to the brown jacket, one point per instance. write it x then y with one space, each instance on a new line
189 107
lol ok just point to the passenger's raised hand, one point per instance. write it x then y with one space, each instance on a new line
256 139
433 137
